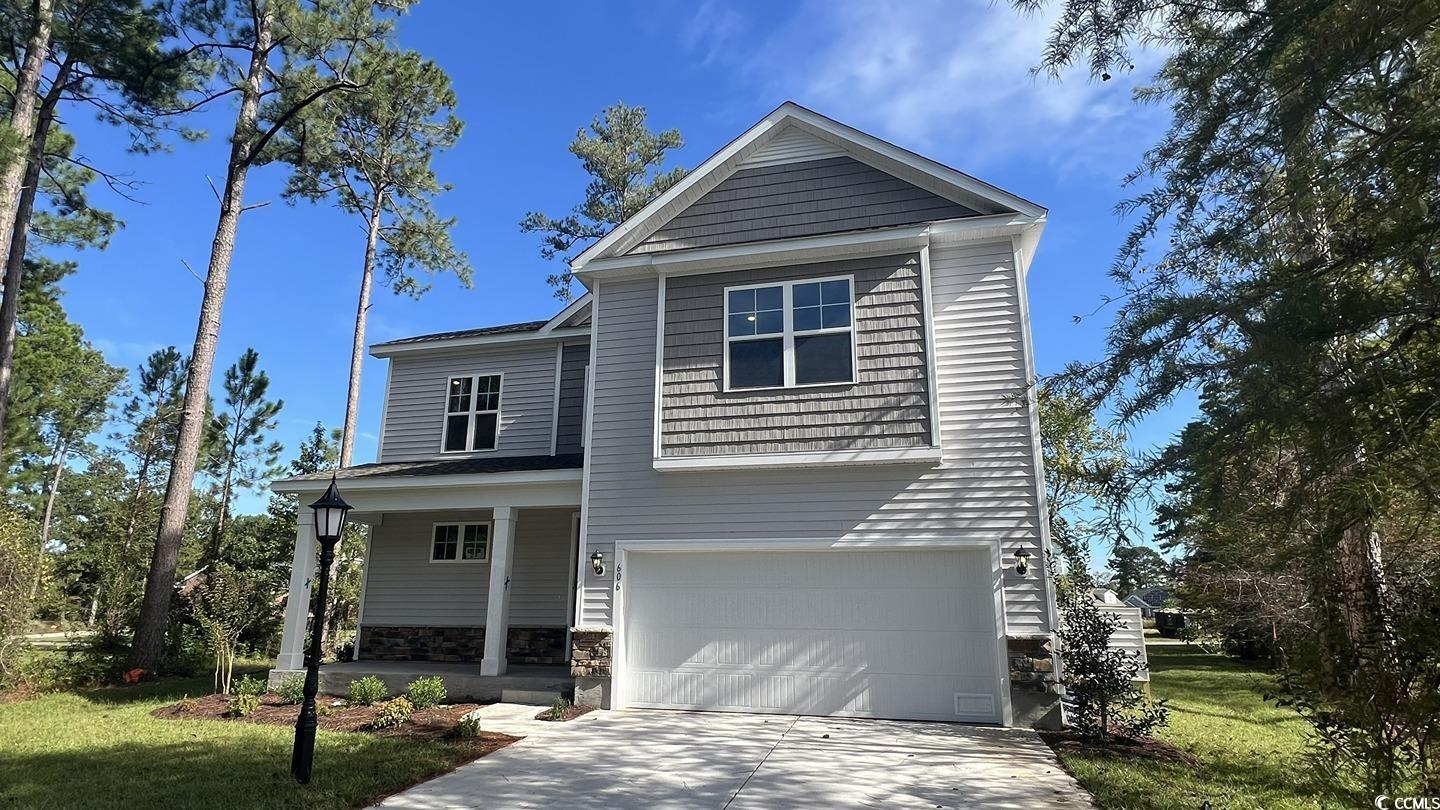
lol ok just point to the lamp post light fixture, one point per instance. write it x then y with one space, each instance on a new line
1022 561
330 512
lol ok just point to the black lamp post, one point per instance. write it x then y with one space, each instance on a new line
330 513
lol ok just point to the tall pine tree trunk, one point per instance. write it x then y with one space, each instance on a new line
57 464
357 346
19 231
154 610
22 114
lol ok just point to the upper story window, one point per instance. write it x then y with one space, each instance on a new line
790 334
472 413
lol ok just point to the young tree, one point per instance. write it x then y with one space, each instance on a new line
623 158
293 54
241 454
1085 475
371 152
151 418
225 606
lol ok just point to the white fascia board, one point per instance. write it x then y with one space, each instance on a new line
499 479
445 344
805 249
771 461
563 315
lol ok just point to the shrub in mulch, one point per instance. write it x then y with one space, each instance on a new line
435 723
570 712
1147 748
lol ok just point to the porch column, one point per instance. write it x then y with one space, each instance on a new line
297 604
497 609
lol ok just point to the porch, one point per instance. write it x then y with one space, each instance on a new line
470 573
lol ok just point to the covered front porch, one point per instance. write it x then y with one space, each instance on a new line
470 574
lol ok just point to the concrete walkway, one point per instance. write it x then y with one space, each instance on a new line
650 759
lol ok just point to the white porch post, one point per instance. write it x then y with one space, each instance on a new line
497 610
297 605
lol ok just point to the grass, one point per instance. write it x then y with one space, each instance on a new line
1252 754
101 748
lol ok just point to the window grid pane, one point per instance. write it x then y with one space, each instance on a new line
825 307
758 311
445 542
476 540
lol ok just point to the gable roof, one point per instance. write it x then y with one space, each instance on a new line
572 321
792 132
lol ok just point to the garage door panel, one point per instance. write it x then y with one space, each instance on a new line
905 633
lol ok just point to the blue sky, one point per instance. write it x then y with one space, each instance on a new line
949 80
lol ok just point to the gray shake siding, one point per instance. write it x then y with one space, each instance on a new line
984 488
887 408
414 416
575 357
799 199
403 587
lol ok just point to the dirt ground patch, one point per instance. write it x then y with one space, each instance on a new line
1147 749
424 724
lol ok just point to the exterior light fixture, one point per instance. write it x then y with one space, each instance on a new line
1022 561
330 512
597 562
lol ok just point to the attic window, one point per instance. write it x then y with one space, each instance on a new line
790 335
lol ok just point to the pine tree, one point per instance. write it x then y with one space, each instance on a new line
371 153
241 452
623 158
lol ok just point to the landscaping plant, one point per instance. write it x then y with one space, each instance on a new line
366 691
559 708
291 689
242 705
469 726
426 693
1099 680
393 713
226 606
249 686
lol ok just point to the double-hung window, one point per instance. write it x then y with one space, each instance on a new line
472 413
794 333
460 542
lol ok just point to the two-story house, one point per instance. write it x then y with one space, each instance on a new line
780 457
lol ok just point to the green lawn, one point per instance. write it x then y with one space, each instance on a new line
1252 753
102 748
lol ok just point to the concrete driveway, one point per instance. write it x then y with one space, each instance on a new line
648 759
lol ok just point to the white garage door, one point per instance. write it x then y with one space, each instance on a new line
895 634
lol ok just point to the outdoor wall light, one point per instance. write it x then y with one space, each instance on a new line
597 562
1022 561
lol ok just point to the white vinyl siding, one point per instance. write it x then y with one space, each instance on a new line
416 400
985 487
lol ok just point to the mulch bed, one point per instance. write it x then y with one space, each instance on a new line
570 713
1149 748
424 724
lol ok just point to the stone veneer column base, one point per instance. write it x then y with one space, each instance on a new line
525 645
590 649
1034 691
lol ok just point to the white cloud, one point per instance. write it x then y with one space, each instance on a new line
951 79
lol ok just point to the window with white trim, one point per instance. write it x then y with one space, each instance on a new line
472 413
460 542
790 334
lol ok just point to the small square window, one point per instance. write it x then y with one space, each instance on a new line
757 363
757 311
477 542
446 542
460 542
814 345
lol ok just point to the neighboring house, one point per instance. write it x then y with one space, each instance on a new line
1154 596
779 458
1136 601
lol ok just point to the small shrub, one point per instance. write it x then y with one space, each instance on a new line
469 726
247 686
427 693
291 689
367 691
321 710
393 713
559 708
242 705
187 705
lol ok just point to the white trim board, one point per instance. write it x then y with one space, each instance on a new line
768 461
517 478
447 343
